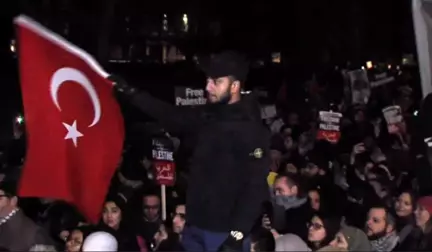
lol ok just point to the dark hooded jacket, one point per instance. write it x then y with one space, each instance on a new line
229 164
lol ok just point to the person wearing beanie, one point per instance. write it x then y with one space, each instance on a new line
352 239
330 248
100 241
227 183
17 231
290 242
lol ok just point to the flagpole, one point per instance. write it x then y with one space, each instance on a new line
423 39
163 198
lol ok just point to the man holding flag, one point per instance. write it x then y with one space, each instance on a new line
75 135
228 175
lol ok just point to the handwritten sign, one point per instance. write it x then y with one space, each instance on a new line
360 87
163 161
329 128
165 173
393 117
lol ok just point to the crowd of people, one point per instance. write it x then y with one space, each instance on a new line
365 192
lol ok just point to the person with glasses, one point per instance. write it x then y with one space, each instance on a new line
349 239
151 219
17 231
322 229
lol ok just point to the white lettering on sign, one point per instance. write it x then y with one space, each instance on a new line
329 127
163 155
194 92
393 114
329 121
186 96
190 101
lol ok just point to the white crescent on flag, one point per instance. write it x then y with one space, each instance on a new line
71 74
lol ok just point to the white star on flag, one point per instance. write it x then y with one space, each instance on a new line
72 133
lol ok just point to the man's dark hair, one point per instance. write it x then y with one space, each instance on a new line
151 192
263 240
9 188
389 218
293 180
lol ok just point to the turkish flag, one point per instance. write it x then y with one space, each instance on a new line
74 125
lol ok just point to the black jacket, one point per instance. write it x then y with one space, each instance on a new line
297 219
230 161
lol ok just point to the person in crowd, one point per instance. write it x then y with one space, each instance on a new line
322 230
43 248
380 229
361 194
404 207
17 231
225 193
290 242
315 199
76 237
262 240
351 239
420 239
151 215
62 218
165 239
100 241
290 197
178 218
115 220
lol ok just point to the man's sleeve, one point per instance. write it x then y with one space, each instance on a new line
174 119
255 192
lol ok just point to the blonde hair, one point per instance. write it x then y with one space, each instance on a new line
332 249
43 248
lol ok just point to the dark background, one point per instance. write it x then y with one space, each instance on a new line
310 35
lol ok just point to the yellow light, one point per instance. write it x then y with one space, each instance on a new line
369 64
185 19
12 46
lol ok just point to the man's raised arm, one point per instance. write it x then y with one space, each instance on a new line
173 119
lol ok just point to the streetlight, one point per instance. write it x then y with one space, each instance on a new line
185 23
12 46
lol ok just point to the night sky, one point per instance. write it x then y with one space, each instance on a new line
341 28
308 33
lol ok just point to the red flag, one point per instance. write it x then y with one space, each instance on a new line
74 125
